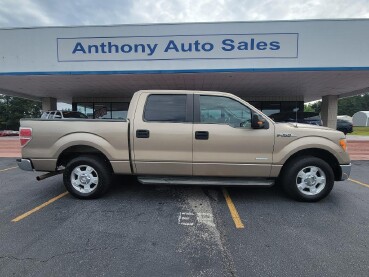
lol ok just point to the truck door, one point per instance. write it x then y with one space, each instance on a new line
224 144
162 139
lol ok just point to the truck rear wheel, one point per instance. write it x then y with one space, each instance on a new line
307 179
87 177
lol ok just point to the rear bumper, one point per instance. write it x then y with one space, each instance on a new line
346 170
25 164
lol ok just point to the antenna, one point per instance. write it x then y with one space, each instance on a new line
296 110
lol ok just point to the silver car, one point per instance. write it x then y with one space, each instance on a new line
62 115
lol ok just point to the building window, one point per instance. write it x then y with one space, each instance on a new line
256 104
290 106
100 110
271 108
85 108
119 110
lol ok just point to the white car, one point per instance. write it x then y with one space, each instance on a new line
62 115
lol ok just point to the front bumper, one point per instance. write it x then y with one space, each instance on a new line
25 164
346 170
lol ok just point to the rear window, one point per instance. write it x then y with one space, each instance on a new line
166 108
73 115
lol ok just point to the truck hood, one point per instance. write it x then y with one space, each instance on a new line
303 130
309 126
291 136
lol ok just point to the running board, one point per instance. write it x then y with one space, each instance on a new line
203 181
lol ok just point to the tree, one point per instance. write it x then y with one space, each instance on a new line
313 107
346 106
351 105
14 108
308 108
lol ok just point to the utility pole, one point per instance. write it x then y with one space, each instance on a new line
7 112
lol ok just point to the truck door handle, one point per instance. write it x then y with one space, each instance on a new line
142 133
202 135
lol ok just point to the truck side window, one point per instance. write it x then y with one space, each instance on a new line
224 110
166 108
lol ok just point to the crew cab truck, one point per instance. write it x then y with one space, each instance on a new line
187 137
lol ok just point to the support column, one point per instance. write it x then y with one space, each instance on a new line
329 110
49 104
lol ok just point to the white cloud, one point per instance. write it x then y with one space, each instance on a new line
16 13
23 13
247 10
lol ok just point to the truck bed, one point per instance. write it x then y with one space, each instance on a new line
50 138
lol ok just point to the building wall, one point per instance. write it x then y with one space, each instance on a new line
189 47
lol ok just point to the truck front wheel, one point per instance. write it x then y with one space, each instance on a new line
87 177
307 179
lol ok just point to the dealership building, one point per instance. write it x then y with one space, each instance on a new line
275 65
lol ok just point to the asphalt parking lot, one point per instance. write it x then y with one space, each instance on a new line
138 230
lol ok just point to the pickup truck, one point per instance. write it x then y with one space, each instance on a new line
187 137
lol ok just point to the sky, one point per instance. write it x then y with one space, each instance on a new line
30 13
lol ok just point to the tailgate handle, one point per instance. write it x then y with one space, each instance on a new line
142 133
202 135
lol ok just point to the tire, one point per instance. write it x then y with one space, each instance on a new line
87 177
307 179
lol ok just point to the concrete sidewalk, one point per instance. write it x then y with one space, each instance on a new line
358 147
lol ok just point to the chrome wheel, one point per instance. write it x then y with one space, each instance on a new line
311 180
84 178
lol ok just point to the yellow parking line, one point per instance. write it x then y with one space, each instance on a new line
1 170
39 207
360 183
232 208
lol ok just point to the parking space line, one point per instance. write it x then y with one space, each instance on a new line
18 218
358 182
1 170
232 209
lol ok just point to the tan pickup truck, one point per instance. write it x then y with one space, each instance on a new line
187 137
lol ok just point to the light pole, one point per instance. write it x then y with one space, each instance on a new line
7 112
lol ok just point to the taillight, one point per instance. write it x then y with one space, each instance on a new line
25 135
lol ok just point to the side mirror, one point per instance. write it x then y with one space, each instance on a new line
257 122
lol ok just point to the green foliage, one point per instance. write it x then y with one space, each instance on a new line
308 108
346 106
13 108
314 107
351 105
